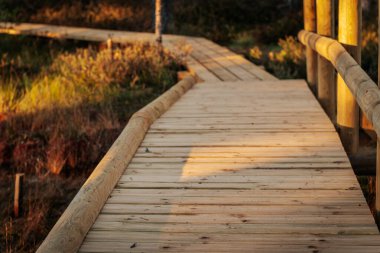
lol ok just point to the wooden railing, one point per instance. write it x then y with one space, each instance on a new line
341 96
71 228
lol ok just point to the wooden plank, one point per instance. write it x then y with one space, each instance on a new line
195 67
270 239
238 219
267 186
254 200
213 66
248 229
223 247
201 71
144 151
224 61
244 193
259 72
247 172
332 209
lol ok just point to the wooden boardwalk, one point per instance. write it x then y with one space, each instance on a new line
237 167
243 162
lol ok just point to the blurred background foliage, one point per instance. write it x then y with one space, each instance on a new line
268 28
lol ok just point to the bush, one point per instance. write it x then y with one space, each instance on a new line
370 51
89 76
286 62
72 89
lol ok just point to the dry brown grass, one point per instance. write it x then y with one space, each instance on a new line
44 201
127 15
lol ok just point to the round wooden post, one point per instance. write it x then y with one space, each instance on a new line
326 72
18 195
109 43
309 15
349 30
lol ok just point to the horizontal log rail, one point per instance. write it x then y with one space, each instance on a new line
365 91
70 230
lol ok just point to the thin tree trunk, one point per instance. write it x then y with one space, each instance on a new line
159 9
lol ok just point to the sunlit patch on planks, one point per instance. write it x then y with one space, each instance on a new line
238 167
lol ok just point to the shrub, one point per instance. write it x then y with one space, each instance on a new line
287 61
78 94
370 51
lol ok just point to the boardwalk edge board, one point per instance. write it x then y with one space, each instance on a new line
70 230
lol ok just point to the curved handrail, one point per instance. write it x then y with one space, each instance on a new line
365 91
71 228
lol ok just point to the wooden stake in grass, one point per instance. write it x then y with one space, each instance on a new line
17 204
159 8
109 43
349 33
110 46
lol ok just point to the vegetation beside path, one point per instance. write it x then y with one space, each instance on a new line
62 104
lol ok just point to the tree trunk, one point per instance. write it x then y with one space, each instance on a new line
159 9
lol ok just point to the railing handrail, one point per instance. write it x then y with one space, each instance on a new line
365 91
71 228
353 88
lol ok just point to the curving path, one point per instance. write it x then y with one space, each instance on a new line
243 162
